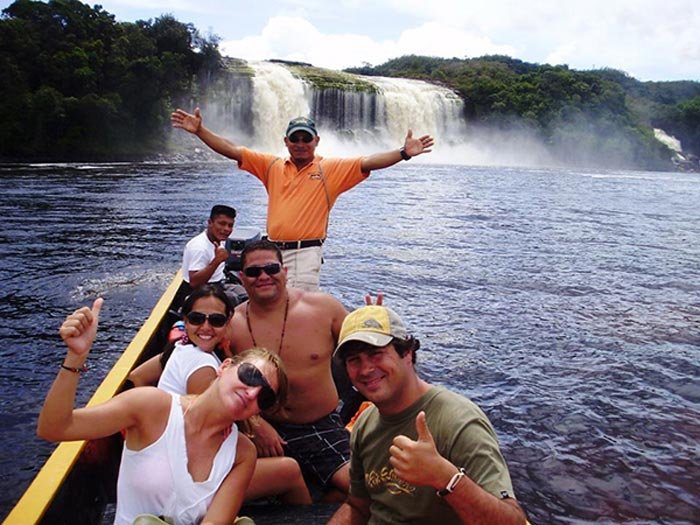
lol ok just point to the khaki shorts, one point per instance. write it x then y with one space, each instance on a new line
304 267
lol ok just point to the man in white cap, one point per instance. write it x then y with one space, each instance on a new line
421 454
302 188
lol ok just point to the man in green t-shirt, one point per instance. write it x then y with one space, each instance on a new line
420 454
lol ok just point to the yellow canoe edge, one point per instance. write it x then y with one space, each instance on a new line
39 495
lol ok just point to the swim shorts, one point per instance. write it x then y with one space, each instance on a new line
320 447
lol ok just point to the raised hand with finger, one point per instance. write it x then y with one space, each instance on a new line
379 301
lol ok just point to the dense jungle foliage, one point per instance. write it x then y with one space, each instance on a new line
78 85
600 110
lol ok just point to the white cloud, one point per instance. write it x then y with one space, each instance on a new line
439 39
650 39
294 38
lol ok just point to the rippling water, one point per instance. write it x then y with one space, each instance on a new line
565 303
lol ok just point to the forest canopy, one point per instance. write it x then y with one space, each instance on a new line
77 84
566 107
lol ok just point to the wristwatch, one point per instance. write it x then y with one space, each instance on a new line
452 484
404 155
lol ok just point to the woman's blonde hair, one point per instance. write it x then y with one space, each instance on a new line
261 353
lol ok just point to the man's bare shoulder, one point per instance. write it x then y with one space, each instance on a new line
239 311
316 300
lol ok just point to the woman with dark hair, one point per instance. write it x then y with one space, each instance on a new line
183 456
190 364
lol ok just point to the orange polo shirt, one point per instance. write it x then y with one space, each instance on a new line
297 207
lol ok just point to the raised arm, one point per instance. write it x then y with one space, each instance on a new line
58 420
202 276
337 313
411 148
193 124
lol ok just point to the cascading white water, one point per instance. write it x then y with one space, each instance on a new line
668 140
400 104
423 107
278 97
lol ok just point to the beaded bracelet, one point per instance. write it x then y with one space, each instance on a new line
75 370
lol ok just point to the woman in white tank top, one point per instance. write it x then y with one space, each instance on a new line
183 457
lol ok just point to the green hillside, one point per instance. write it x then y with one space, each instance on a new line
599 110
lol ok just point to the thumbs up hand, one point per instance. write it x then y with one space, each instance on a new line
221 253
79 329
417 462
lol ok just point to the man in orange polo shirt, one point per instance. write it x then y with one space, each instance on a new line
302 188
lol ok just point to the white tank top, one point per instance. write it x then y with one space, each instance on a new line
155 480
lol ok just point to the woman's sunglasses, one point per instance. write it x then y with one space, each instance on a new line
198 318
269 269
250 375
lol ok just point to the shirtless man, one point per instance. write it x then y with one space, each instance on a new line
302 328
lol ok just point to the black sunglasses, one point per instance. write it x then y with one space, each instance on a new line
250 375
198 318
301 137
269 269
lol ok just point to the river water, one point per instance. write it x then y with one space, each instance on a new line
564 302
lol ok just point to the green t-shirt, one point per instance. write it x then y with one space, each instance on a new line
462 434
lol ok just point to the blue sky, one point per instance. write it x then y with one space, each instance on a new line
648 39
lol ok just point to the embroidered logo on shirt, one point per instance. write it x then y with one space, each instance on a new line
387 477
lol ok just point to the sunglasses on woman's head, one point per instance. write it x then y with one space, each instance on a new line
198 318
269 269
250 375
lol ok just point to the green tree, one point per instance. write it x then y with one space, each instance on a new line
77 84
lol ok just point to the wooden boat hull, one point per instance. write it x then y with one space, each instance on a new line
79 478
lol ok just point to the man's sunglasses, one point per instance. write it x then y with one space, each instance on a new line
269 269
250 375
198 318
306 138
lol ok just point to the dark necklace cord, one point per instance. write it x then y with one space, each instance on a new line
284 324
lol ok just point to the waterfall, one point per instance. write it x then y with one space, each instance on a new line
423 107
252 103
278 97
349 122
668 140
